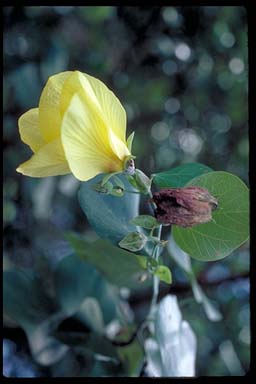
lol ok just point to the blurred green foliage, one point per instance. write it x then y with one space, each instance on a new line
181 74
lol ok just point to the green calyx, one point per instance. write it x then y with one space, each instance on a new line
140 182
109 189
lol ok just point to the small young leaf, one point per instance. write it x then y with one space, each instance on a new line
164 274
145 221
134 241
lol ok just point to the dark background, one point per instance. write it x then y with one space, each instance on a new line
181 74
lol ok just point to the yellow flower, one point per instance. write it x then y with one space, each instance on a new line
79 127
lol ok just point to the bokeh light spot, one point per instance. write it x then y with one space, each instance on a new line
172 105
182 51
189 141
206 64
169 67
236 66
227 39
160 131
225 81
220 123
170 15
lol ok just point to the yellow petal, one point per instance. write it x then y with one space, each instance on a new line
111 107
49 106
48 161
99 100
118 146
85 141
74 84
29 130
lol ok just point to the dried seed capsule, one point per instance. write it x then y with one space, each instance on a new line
185 207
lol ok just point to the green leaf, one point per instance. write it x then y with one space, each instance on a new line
179 176
145 221
179 256
92 342
164 274
23 298
120 267
184 261
132 357
129 141
211 311
91 314
26 303
108 215
230 226
134 241
76 280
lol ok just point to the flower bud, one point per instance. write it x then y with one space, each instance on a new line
185 207
142 181
129 166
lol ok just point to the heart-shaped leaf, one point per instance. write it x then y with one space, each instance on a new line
179 176
230 225
109 215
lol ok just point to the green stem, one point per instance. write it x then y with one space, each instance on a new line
138 193
155 255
